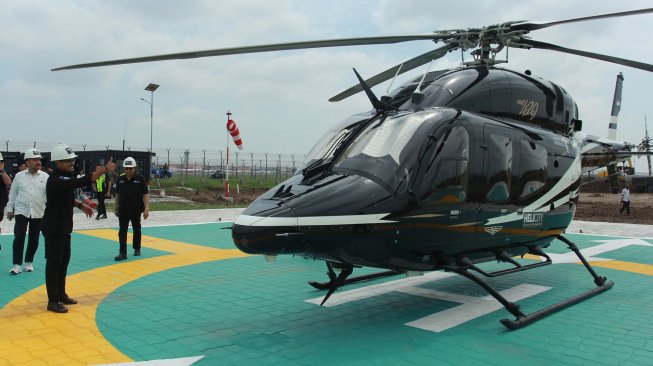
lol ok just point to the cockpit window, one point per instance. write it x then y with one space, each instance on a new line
386 151
326 146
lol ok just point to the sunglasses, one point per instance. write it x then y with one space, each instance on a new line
129 168
69 161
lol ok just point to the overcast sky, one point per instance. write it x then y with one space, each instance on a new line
278 99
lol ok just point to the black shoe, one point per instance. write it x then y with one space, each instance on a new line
57 307
67 300
103 216
97 217
121 256
137 252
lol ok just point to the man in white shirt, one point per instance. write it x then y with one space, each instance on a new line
27 205
625 200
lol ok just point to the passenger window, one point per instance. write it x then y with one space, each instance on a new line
499 167
445 177
533 165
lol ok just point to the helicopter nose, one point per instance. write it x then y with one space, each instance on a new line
267 234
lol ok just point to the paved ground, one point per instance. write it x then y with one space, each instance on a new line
193 298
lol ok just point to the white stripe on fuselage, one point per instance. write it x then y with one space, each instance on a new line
247 220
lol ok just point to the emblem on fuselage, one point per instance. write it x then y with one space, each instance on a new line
492 229
528 108
533 218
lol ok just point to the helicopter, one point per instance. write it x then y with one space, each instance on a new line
451 169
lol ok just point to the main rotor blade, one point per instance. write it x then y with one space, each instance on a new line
389 73
597 56
267 48
535 26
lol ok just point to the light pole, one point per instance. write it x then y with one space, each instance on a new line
151 88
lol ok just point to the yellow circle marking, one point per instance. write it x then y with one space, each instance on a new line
34 336
641 268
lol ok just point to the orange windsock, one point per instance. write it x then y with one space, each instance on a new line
235 133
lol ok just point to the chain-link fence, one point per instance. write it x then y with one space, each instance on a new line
210 163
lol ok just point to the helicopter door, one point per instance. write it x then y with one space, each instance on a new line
446 215
495 189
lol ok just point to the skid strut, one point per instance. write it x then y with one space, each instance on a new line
332 278
464 265
337 280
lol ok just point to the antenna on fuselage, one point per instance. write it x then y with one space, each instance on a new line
417 94
387 91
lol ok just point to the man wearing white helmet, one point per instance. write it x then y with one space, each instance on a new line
27 204
132 200
5 182
57 222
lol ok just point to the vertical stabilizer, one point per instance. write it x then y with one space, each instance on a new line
616 107
612 130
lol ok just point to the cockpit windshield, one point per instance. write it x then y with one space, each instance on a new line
325 148
386 151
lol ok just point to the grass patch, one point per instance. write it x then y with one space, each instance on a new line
204 182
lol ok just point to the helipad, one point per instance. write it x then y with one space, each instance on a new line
192 298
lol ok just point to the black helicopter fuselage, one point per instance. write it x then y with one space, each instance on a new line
477 162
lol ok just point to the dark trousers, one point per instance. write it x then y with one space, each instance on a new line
625 205
20 229
57 255
101 208
124 220
2 210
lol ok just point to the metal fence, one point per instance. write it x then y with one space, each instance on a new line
195 162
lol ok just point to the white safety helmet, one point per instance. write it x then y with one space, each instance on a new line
32 153
62 152
1 159
129 163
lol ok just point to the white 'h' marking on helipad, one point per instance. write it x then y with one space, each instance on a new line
472 307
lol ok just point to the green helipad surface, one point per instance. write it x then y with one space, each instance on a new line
193 298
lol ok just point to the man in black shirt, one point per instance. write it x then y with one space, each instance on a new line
57 222
132 199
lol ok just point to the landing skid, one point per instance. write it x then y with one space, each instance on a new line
522 320
337 280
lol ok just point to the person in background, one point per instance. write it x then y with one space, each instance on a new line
112 177
57 222
27 204
625 200
79 192
5 182
22 166
132 200
100 188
